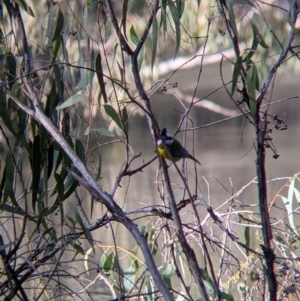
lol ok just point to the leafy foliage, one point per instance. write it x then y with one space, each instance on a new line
99 59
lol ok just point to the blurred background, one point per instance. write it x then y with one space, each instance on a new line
223 143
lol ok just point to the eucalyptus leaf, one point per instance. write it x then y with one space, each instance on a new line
70 101
129 278
85 231
176 20
16 210
251 87
55 25
229 4
111 112
124 16
99 69
247 238
23 4
36 169
106 261
104 132
236 73
133 36
154 42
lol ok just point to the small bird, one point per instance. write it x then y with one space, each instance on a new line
174 148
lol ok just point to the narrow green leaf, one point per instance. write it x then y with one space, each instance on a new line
59 157
247 239
136 265
86 20
103 12
111 112
82 71
70 101
52 236
176 19
50 29
56 48
16 210
85 231
129 279
66 160
59 82
41 216
3 246
55 24
58 26
141 58
236 73
51 99
65 54
121 70
83 82
21 133
5 112
104 132
257 37
168 271
36 169
229 4
124 16
72 221
118 266
23 4
92 74
70 185
290 16
78 249
163 17
150 290
116 46
154 42
133 36
125 120
11 66
251 87
253 48
46 211
59 186
106 262
92 202
79 149
180 7
99 69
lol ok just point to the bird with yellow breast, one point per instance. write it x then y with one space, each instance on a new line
169 147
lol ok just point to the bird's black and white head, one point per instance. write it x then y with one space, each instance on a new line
167 137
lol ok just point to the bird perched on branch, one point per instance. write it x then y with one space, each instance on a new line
169 147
